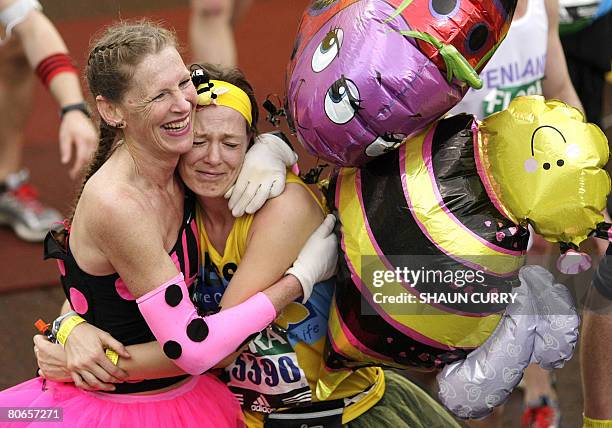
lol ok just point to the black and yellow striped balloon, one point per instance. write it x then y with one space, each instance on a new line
424 208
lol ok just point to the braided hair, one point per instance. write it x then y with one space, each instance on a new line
113 57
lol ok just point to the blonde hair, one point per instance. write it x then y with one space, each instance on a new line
113 57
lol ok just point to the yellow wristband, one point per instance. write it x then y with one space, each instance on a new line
112 355
67 325
596 423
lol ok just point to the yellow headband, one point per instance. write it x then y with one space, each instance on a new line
225 94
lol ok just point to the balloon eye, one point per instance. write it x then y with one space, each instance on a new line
546 166
327 50
443 9
342 101
477 37
560 162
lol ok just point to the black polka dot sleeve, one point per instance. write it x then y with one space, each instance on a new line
196 343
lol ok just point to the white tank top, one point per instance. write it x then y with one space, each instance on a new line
517 68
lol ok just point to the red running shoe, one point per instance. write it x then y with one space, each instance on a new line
543 413
21 209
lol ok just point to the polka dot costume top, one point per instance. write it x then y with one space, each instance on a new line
105 301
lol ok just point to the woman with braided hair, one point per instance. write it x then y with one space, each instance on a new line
130 254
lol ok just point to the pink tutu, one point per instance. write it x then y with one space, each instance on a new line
202 401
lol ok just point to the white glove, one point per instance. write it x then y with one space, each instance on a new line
318 258
262 175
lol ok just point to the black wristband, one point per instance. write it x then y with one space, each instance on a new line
82 107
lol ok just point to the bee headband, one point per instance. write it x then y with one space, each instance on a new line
221 93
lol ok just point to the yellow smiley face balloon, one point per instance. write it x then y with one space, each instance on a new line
544 166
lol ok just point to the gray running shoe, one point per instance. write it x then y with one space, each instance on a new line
21 209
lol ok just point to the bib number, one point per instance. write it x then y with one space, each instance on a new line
267 375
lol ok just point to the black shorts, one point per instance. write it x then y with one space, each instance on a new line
602 279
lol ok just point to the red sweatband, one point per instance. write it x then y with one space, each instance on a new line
52 65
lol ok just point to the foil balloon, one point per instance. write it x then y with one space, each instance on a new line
366 74
431 248
540 325
548 147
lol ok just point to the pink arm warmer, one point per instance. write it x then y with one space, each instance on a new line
197 343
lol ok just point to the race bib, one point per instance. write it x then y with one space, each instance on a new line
498 99
267 376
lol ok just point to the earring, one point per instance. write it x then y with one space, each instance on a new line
116 125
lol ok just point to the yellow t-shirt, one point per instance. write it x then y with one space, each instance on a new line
281 365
